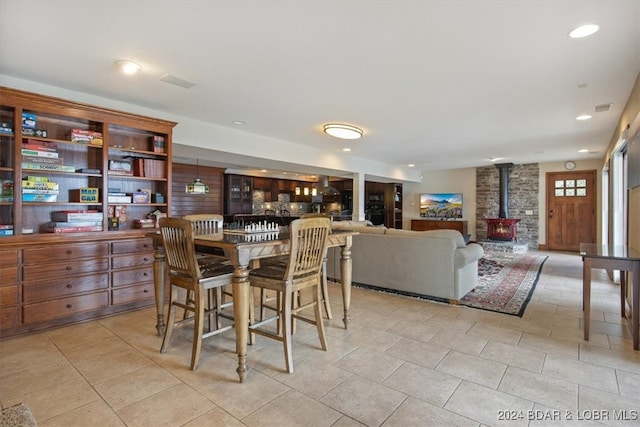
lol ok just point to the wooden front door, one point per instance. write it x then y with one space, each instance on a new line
571 209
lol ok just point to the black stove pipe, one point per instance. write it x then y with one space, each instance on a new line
504 189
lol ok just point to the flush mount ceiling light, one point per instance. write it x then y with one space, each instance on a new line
128 67
583 117
342 131
584 31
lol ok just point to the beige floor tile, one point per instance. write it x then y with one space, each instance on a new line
99 369
488 406
415 412
60 397
547 390
628 383
217 417
293 409
549 345
421 331
369 364
306 380
418 352
459 342
495 333
423 383
93 414
364 400
24 352
134 386
513 356
472 368
579 372
624 360
21 383
373 339
174 406
620 410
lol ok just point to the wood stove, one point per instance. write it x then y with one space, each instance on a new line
503 228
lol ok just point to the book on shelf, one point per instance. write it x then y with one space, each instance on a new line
39 197
73 224
47 167
154 168
39 153
34 144
39 191
44 160
39 185
6 232
74 229
78 215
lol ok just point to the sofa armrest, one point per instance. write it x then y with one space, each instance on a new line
470 253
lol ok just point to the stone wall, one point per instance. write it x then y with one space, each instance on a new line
523 197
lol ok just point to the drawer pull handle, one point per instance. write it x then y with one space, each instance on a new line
69 286
69 251
146 259
146 291
145 274
69 306
69 268
146 245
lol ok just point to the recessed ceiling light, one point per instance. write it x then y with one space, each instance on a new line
239 122
583 117
584 150
584 31
347 149
411 165
342 131
128 67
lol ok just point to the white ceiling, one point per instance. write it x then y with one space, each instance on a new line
441 84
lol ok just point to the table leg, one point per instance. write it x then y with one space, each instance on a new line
635 308
241 316
586 295
345 276
159 275
623 293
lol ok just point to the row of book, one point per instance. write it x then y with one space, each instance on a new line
73 221
39 189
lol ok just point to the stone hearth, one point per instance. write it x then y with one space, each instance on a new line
508 247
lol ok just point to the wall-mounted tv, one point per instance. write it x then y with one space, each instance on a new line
441 205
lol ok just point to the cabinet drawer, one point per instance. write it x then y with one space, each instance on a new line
9 275
132 277
132 246
8 296
41 291
8 318
58 253
133 293
65 307
9 258
132 260
67 269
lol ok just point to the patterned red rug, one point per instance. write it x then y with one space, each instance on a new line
506 282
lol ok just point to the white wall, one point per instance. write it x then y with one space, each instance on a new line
464 181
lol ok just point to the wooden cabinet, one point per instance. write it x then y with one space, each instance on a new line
58 155
430 224
383 203
239 194
393 206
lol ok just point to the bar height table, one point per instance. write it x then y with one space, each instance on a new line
622 258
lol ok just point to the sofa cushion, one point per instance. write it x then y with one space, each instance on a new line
442 234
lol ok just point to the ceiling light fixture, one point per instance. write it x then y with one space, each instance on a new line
128 67
584 31
196 186
342 131
583 117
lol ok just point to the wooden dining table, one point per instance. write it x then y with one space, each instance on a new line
242 248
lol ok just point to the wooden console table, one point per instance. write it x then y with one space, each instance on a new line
622 258
436 224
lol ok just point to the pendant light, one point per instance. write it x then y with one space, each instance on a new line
197 186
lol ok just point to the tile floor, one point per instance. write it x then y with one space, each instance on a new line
402 362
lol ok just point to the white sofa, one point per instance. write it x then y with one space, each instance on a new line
435 264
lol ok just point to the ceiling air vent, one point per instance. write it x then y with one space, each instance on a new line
168 78
602 108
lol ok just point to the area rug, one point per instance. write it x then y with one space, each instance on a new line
17 416
506 282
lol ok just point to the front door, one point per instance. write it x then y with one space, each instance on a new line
571 209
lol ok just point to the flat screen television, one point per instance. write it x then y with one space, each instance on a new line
441 205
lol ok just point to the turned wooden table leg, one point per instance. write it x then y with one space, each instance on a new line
159 285
241 290
346 275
